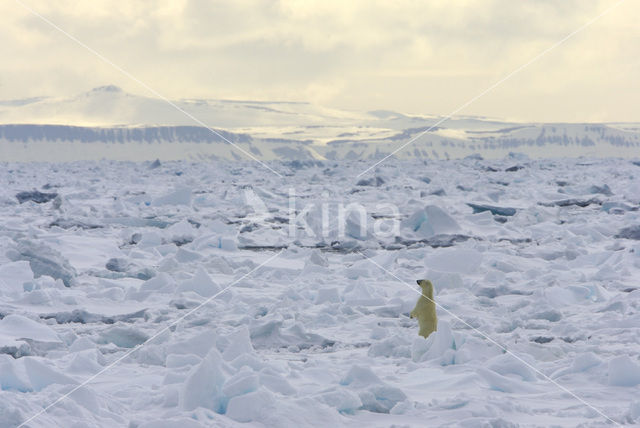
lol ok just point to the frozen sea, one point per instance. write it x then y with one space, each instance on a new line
203 294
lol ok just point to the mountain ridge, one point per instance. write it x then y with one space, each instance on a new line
106 115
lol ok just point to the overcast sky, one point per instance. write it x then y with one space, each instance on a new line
423 57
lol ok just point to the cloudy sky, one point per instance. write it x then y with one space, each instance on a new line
423 57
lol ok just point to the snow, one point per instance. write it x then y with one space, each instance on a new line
127 258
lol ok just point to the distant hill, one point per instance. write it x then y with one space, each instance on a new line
107 122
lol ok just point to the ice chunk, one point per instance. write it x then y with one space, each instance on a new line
270 333
82 316
9 414
381 398
14 327
378 332
373 181
572 201
498 382
248 360
239 343
125 337
186 256
550 315
150 239
616 207
243 382
631 232
161 283
253 406
445 280
507 364
181 232
360 376
178 360
504 211
117 264
203 387
607 272
455 261
359 270
431 221
35 196
560 296
376 396
634 411
439 345
201 283
29 374
362 293
227 244
517 156
82 344
13 276
45 261
276 383
316 258
356 226
87 361
604 190
263 238
66 223
582 362
325 295
12 376
199 345
181 196
394 346
623 371
342 400
40 375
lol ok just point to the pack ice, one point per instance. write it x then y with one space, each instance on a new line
198 294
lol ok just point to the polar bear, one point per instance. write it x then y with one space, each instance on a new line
425 309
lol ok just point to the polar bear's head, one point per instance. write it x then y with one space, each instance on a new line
427 287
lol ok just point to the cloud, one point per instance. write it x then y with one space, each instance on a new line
420 57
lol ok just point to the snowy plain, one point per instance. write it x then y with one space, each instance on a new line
538 282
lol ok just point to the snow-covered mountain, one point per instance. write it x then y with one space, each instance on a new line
107 122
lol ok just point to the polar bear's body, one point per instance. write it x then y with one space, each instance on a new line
425 310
